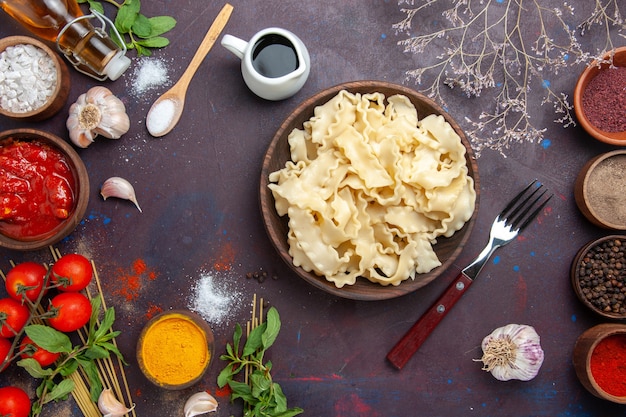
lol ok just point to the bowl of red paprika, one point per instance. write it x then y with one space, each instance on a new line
44 189
598 358
600 98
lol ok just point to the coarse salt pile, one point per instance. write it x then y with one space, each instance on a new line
27 78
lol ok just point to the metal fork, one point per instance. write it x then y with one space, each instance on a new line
511 221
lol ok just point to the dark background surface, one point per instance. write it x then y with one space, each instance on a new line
198 188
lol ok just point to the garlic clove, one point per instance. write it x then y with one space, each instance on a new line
109 406
120 188
200 403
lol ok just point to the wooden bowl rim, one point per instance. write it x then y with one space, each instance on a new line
592 69
82 192
359 291
581 192
60 93
575 280
197 320
583 350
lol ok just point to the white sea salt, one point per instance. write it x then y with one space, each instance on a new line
160 116
27 78
149 74
214 298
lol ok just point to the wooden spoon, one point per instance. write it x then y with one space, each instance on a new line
167 109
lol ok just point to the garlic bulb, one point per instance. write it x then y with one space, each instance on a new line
200 403
97 112
109 406
120 188
512 352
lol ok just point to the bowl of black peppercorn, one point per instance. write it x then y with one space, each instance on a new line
598 275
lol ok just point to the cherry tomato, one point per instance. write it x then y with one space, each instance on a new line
74 267
25 279
5 348
73 311
13 316
14 402
41 355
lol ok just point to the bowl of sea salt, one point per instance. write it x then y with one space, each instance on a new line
34 80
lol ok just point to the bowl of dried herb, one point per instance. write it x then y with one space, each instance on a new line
598 276
600 98
598 358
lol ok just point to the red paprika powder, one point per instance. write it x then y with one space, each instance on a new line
608 364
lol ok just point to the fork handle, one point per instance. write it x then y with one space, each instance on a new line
400 354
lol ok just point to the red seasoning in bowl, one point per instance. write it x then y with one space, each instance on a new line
36 189
607 364
604 100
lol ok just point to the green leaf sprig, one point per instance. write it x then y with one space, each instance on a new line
138 31
56 383
262 396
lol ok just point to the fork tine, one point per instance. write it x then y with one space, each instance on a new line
534 214
519 217
505 211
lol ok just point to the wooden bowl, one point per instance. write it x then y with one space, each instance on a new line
583 351
81 192
447 249
57 99
613 138
157 373
600 190
581 273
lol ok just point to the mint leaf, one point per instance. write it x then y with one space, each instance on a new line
60 391
48 338
273 327
142 27
126 15
161 24
155 42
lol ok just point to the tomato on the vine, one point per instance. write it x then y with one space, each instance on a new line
39 354
25 279
73 311
5 349
14 402
13 316
75 268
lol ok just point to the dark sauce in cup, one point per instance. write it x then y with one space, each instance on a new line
274 56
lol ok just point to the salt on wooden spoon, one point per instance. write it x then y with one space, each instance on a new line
166 110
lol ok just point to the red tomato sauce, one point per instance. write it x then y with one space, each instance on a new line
36 189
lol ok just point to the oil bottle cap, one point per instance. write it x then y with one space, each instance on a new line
117 65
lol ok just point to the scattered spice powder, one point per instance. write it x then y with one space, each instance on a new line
214 298
130 282
149 74
606 189
604 100
608 364
153 310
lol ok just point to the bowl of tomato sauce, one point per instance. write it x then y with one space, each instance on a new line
44 189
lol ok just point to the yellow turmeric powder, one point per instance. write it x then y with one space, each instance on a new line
174 350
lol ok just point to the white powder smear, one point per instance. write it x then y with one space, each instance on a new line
214 297
150 74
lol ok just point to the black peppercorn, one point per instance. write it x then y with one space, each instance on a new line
602 275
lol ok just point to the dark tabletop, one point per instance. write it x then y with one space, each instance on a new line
198 188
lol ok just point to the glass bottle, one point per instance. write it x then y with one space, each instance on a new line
89 49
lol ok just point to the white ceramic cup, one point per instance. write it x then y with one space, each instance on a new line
275 64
